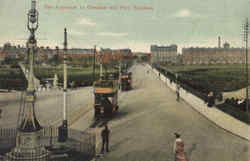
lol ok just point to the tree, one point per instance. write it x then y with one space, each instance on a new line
55 60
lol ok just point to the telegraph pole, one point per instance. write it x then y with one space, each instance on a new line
63 130
246 56
65 77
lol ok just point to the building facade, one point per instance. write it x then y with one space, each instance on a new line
83 56
11 51
163 54
217 55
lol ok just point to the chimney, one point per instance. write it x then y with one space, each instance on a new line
219 42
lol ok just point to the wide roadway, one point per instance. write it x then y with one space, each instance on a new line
148 116
48 106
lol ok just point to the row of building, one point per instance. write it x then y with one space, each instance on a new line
46 53
159 54
198 55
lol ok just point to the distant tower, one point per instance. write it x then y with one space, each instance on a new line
226 45
219 42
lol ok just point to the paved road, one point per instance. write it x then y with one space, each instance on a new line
149 115
48 106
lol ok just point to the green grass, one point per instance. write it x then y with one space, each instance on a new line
218 78
212 77
14 77
236 113
177 68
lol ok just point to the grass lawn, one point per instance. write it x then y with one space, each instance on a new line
221 78
14 77
234 112
212 77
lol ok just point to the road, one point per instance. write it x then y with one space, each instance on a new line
48 107
143 128
149 115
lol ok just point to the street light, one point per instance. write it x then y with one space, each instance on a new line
101 62
94 64
29 130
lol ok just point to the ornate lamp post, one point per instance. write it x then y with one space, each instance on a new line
29 131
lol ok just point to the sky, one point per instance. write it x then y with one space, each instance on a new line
134 24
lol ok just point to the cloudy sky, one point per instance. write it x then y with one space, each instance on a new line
134 24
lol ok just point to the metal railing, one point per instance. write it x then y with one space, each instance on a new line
83 144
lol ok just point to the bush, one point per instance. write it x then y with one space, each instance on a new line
235 112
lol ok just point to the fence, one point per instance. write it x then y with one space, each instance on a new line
172 78
82 145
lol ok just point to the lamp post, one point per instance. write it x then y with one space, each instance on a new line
63 129
32 26
101 61
94 64
29 131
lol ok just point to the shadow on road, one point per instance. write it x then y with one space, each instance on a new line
190 151
120 114
117 145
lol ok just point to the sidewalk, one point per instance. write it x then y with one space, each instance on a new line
218 117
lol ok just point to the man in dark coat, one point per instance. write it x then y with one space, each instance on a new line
105 138
177 92
210 100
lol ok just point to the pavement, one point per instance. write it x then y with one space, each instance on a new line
215 115
143 128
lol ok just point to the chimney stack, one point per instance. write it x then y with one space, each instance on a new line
219 42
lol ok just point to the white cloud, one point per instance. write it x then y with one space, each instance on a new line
75 32
112 34
86 21
183 13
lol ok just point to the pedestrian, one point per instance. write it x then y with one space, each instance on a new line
178 92
179 148
210 99
178 95
105 138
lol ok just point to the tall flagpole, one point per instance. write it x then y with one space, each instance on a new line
63 130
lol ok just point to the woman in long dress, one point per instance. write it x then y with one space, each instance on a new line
179 149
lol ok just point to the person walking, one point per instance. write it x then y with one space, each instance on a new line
210 99
179 148
178 93
105 138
